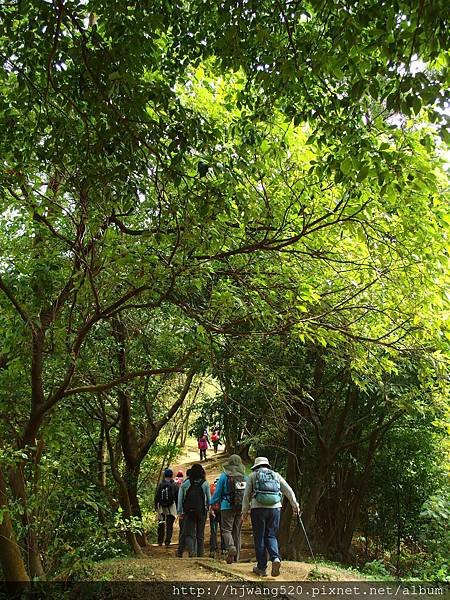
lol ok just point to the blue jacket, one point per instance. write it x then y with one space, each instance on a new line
221 493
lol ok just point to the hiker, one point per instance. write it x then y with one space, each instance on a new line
181 534
230 493
215 524
166 498
179 478
263 496
203 444
193 504
215 438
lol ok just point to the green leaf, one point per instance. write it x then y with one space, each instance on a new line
416 104
363 172
346 166
445 135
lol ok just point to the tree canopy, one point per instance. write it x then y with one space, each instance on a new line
241 189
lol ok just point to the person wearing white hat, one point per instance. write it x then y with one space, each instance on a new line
263 496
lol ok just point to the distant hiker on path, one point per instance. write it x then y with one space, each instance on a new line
203 444
166 498
179 478
215 438
193 504
263 496
230 493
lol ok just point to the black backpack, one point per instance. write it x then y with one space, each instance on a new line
166 494
194 500
236 490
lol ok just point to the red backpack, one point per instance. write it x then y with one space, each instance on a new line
212 489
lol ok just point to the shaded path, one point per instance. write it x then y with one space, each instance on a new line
166 566
162 564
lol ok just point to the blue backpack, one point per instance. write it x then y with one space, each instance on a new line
267 488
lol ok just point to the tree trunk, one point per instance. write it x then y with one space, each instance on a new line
242 450
124 498
399 535
314 495
292 478
102 458
127 511
17 482
131 478
11 560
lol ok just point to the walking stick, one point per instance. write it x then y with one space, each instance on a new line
299 520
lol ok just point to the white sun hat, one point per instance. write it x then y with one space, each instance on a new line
261 460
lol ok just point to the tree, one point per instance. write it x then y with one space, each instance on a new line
289 187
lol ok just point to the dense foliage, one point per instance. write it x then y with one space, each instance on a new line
249 190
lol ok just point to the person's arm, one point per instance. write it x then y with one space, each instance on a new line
289 493
217 496
247 496
181 498
207 494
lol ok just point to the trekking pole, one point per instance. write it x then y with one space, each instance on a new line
300 520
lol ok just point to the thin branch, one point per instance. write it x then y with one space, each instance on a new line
102 387
17 305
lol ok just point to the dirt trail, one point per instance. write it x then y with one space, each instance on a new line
166 566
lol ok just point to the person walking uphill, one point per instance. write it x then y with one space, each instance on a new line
181 534
215 438
215 525
193 503
179 478
166 498
263 495
230 493
203 444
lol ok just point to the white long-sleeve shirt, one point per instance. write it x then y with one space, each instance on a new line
250 501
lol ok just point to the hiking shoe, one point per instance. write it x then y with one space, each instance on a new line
259 572
230 556
276 564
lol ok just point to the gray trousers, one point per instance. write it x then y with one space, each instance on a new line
194 531
231 530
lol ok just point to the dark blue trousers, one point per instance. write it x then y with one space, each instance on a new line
265 525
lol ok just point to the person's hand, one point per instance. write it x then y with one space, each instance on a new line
299 511
180 517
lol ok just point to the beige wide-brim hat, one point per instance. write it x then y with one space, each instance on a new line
259 461
234 465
